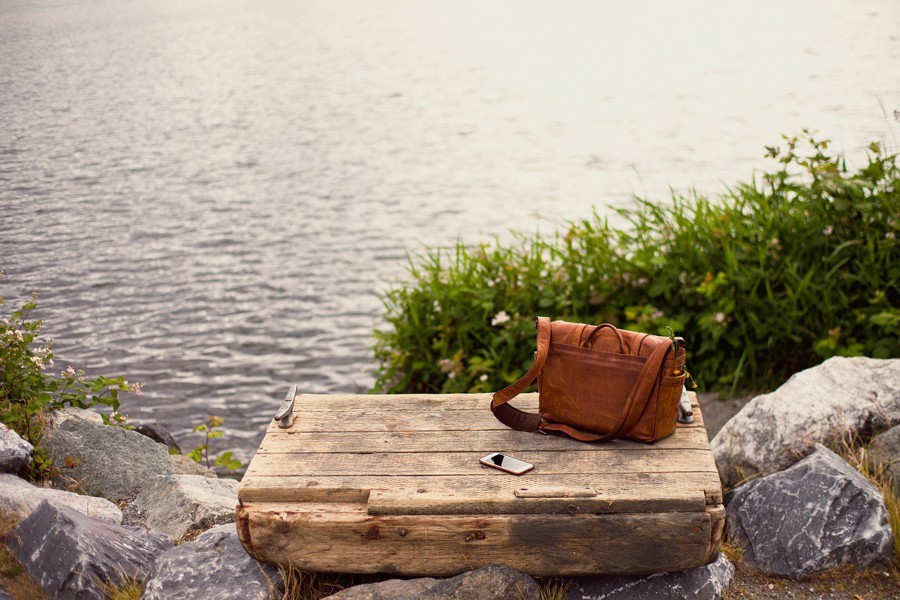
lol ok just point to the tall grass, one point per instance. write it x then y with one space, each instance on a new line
799 264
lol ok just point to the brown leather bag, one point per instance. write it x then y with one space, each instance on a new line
599 383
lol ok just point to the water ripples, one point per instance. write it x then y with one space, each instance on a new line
210 196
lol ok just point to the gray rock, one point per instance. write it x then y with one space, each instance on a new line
703 583
492 582
214 566
182 465
15 453
885 454
4 595
819 514
58 417
158 434
102 460
842 395
20 498
181 504
73 556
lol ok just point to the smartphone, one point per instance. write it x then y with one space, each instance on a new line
506 463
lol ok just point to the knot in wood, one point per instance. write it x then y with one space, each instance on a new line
474 535
403 532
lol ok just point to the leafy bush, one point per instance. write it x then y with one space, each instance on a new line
793 267
28 391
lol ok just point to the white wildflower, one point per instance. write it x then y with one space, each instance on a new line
890 235
720 317
483 377
828 230
38 362
500 318
451 375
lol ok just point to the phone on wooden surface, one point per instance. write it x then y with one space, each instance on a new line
506 463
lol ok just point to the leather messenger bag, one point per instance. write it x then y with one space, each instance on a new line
597 382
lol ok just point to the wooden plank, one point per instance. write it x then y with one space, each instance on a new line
382 420
688 438
651 460
496 492
542 545
424 412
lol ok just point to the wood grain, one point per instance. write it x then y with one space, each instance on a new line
493 492
542 545
693 438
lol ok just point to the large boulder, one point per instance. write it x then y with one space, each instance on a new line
214 566
19 499
182 504
840 396
74 556
61 415
817 515
102 460
703 583
885 455
183 465
492 582
15 453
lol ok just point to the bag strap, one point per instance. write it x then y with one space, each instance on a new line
511 416
523 421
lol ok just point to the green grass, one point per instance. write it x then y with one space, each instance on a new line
799 264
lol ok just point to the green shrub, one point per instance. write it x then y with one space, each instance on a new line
797 265
28 391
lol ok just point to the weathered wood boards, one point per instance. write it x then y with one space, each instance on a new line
393 484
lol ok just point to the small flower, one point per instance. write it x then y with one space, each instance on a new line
451 375
656 314
890 235
69 371
642 281
483 377
720 317
828 230
38 362
500 318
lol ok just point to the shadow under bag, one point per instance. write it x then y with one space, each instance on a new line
597 382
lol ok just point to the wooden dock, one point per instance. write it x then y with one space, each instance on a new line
392 484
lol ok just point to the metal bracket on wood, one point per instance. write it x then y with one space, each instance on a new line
285 414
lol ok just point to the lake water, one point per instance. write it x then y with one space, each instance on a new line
211 194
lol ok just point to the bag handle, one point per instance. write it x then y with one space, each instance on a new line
618 335
523 421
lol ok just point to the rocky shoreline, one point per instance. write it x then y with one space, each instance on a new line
140 514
